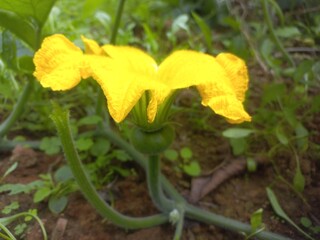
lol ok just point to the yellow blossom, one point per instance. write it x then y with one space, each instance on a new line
126 73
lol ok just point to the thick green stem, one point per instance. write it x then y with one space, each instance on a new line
61 120
190 211
18 108
154 184
140 159
273 34
227 223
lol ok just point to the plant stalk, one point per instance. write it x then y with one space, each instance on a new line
154 184
17 109
190 210
273 34
101 98
61 120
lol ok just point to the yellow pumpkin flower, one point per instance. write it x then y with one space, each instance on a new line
129 76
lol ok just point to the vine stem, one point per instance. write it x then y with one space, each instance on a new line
61 120
189 210
273 34
154 184
17 109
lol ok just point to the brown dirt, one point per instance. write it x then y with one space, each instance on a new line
237 198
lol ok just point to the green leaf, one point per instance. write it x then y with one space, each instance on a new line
287 32
251 165
25 18
302 136
26 64
9 50
205 29
9 170
186 153
171 154
100 147
90 120
57 205
281 135
279 211
239 145
90 6
20 228
306 222
298 180
193 169
63 174
256 219
12 206
84 144
237 132
273 92
41 194
50 145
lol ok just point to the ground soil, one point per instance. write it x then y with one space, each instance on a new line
237 198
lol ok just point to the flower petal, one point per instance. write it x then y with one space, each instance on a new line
126 74
58 63
237 72
92 47
213 80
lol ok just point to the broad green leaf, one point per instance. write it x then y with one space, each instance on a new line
287 32
90 6
83 144
37 9
63 174
57 205
237 132
100 147
193 169
9 50
25 18
186 153
41 194
171 154
50 145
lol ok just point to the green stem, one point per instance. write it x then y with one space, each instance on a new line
117 22
18 109
227 223
141 160
273 34
154 184
9 145
190 211
61 120
179 224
